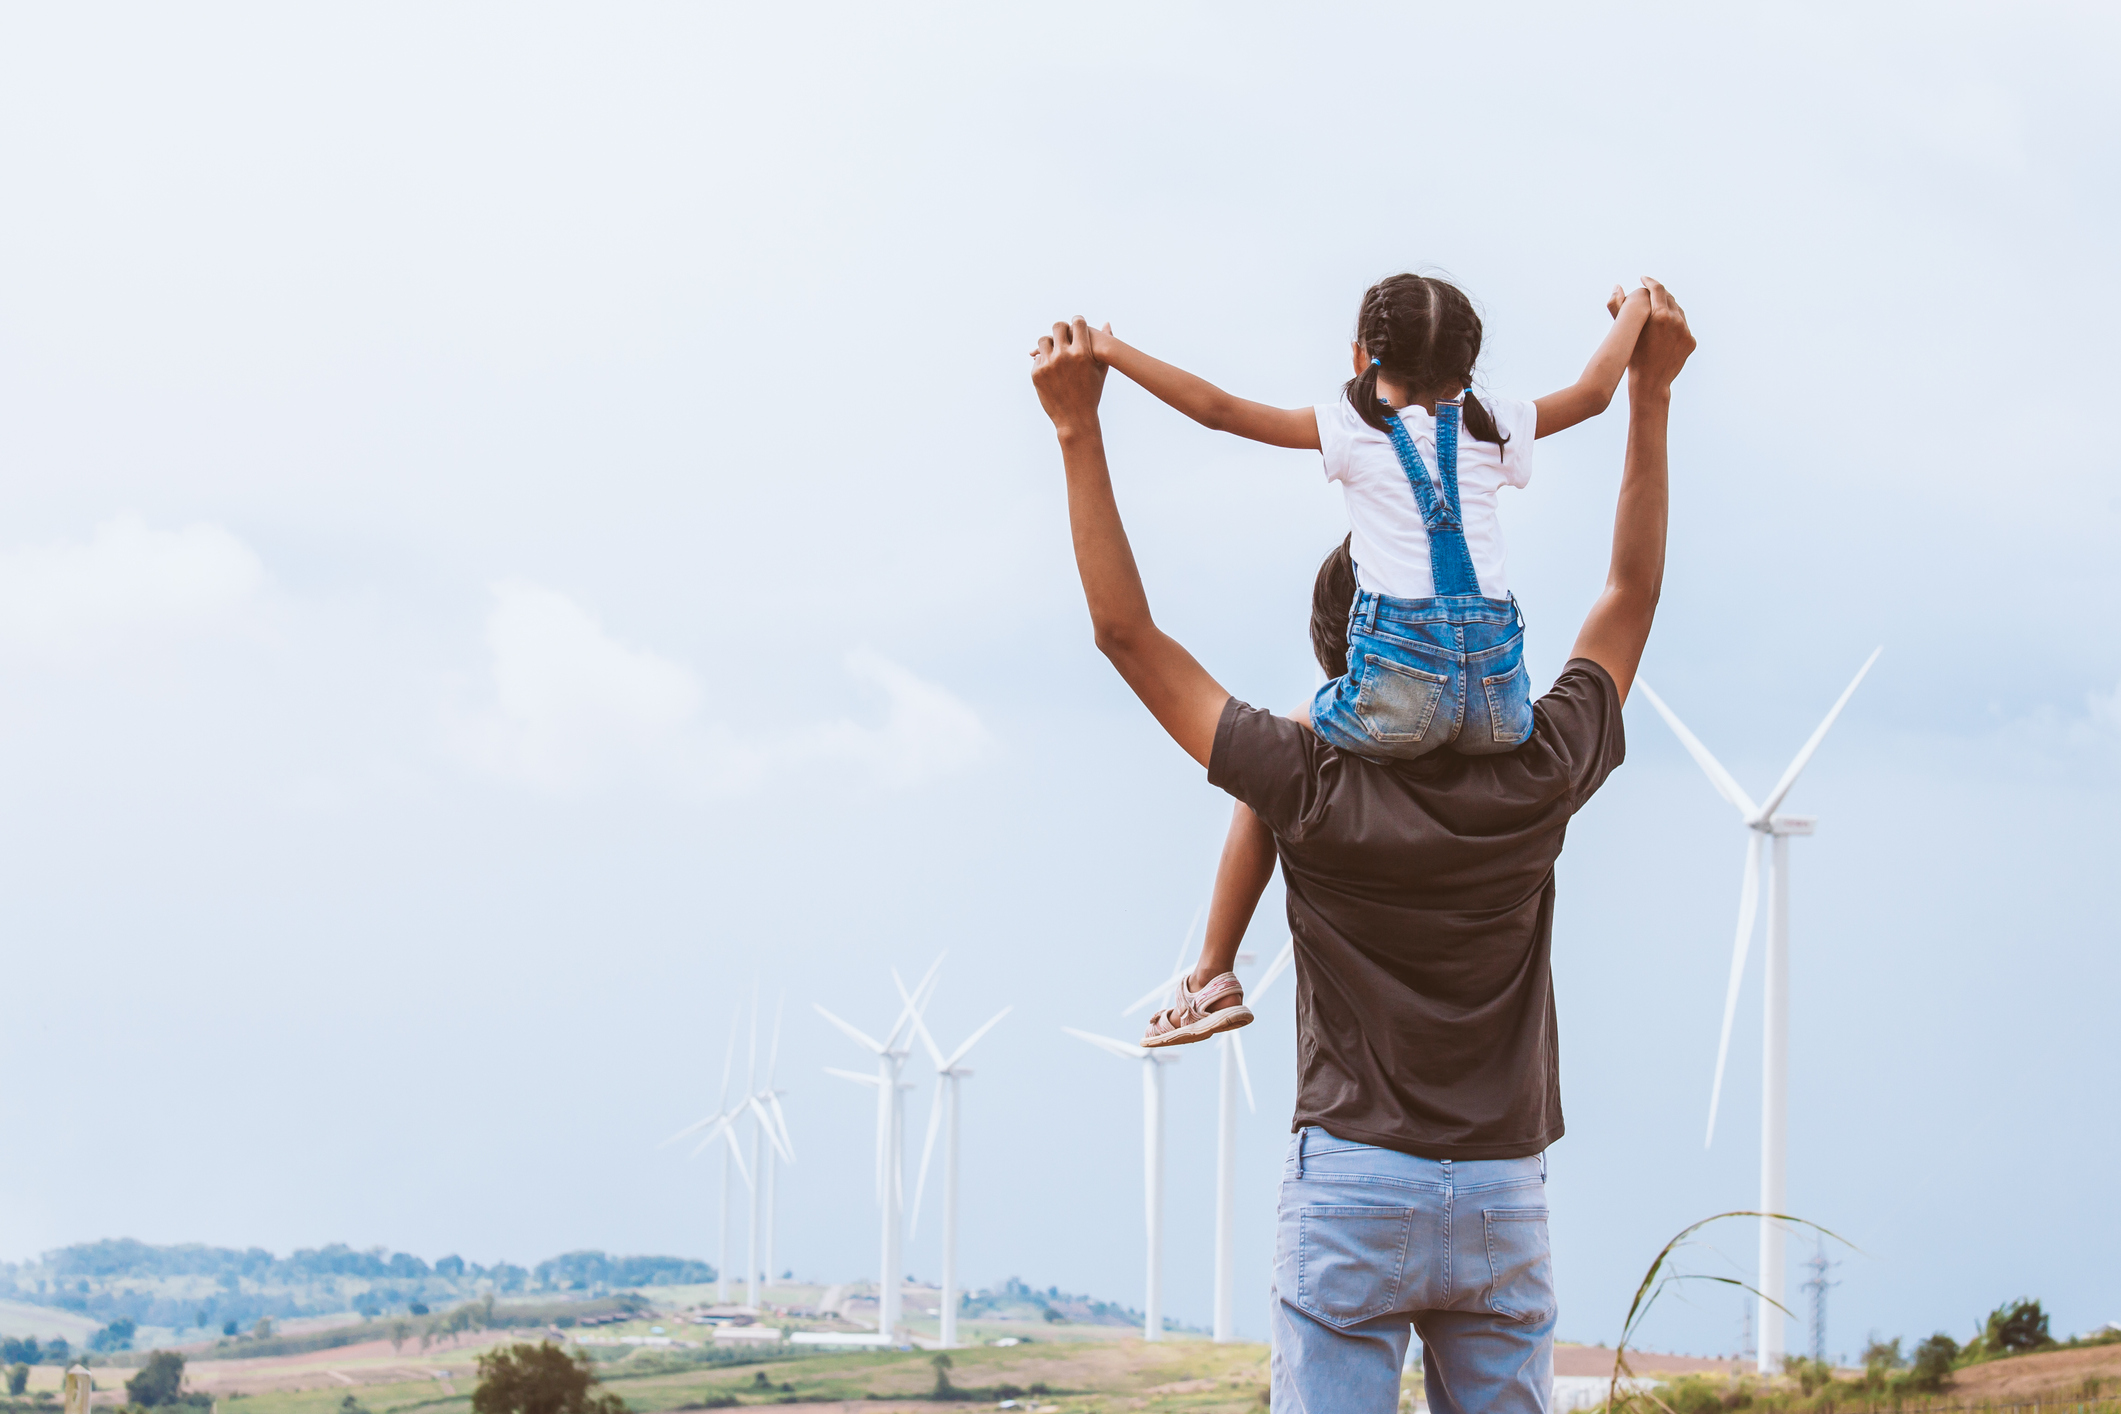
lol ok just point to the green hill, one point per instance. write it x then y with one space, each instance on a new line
196 1288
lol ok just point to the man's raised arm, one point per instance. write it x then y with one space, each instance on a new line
1618 625
1176 689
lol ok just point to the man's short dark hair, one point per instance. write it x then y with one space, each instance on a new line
1332 596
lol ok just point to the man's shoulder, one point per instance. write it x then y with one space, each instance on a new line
1579 726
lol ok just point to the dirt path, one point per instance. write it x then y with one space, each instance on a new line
2054 1374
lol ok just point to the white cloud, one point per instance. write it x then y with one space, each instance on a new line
574 709
2102 716
128 583
926 731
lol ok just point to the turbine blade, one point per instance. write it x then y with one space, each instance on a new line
915 1002
1804 757
729 1058
1748 903
973 1040
781 1121
728 1132
751 1054
773 1052
691 1128
1157 993
1244 1074
854 1075
1179 961
766 1126
1718 777
858 1036
935 1124
935 1052
707 1141
1106 1043
1281 963
736 1148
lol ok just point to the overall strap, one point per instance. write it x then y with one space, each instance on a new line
1450 561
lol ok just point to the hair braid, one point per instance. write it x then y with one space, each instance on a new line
1426 333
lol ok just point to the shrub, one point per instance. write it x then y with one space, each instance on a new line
1932 1363
539 1379
160 1380
17 1378
2015 1328
1811 1375
118 1335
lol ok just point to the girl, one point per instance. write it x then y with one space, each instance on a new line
1435 643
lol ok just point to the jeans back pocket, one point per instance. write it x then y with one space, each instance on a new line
1509 704
1397 703
1349 1261
1520 1264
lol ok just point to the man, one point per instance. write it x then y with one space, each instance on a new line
1421 901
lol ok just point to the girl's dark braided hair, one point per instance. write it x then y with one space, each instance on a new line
1425 333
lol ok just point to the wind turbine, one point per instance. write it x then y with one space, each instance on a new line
721 1125
947 1074
1234 1074
764 1104
1153 1063
890 1053
1762 825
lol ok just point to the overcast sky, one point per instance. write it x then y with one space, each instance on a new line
521 523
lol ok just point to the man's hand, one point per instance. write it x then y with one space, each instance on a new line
1663 346
1069 377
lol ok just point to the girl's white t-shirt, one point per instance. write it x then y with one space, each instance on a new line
1391 546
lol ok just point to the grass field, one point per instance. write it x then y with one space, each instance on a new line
1077 1375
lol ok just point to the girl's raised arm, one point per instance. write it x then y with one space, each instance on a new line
1209 405
1591 394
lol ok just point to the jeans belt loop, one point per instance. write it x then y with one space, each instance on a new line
1301 1135
1519 609
1369 618
1542 1152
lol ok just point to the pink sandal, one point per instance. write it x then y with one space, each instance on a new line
1188 1019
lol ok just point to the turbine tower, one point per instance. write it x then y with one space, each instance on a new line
947 1074
1234 1073
1153 1063
1764 825
721 1125
890 1053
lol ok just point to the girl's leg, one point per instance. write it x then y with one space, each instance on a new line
1247 864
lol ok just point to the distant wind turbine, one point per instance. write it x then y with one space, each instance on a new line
947 1074
1152 1063
767 1119
721 1125
1762 825
1234 1074
890 1053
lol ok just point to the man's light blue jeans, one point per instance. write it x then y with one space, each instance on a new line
1372 1241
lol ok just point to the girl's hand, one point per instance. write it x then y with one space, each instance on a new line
1101 341
1620 297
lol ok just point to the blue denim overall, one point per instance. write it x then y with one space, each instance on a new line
1426 673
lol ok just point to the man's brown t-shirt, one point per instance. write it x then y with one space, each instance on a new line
1421 898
